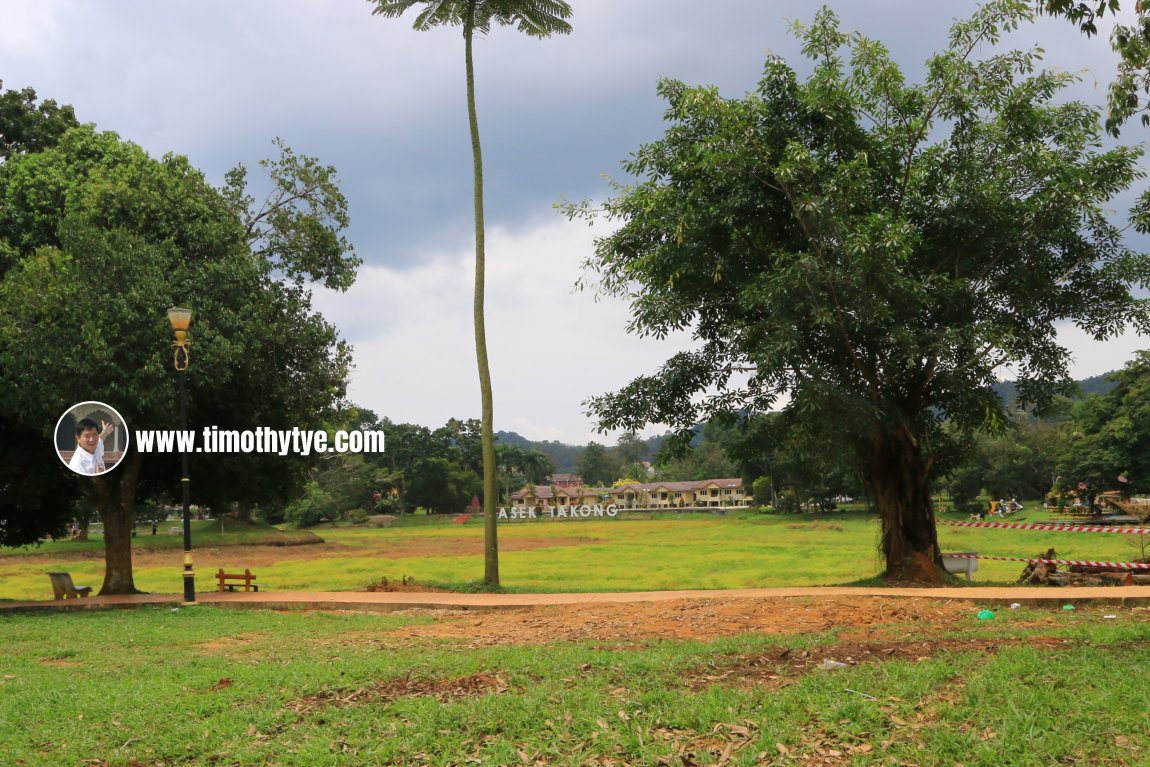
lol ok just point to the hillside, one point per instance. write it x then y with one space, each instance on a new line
1099 384
564 456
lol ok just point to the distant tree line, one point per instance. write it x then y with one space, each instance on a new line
438 471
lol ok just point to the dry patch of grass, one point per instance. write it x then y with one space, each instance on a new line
779 667
266 555
689 619
228 644
817 526
443 690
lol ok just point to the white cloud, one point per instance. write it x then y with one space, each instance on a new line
217 80
549 347
30 31
1091 358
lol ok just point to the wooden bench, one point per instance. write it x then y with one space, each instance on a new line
229 581
62 587
966 563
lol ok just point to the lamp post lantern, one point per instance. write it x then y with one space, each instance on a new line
180 319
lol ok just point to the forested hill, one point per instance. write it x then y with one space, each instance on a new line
564 456
1099 384
1096 385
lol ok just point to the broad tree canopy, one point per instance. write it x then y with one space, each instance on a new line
1110 446
872 248
97 239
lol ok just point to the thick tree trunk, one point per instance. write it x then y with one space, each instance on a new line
115 501
899 479
117 550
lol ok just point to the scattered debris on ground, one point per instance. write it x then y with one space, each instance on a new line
407 583
443 690
780 666
634 623
1048 574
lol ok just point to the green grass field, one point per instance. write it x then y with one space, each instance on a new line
211 687
671 552
207 687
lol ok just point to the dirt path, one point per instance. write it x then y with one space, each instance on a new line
500 618
630 623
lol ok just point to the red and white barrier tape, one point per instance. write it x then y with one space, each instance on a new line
1083 562
1056 527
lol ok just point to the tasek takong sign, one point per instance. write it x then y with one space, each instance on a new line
561 512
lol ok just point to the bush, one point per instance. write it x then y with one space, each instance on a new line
315 506
788 504
761 488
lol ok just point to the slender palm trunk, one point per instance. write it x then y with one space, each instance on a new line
486 434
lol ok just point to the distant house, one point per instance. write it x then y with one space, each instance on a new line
545 496
533 496
565 480
707 493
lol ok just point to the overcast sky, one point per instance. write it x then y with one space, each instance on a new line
217 80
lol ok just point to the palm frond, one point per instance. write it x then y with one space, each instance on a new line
538 18
437 13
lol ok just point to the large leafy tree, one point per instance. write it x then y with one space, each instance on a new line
1128 89
29 125
520 465
1018 462
35 490
1111 436
873 248
406 444
100 239
795 469
538 18
597 466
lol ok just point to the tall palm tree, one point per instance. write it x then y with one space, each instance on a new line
510 459
538 18
536 465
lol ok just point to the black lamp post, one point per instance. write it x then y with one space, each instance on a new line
180 319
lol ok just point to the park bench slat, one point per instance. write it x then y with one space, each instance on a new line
229 581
